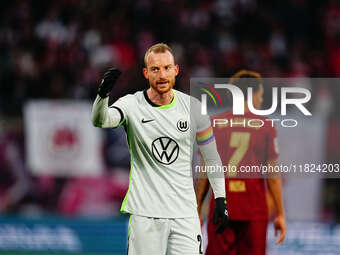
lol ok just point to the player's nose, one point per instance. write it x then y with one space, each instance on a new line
162 73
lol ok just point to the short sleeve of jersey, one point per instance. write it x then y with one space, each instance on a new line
273 148
123 105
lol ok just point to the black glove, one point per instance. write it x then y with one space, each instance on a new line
108 81
220 212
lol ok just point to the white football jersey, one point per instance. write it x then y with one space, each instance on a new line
161 140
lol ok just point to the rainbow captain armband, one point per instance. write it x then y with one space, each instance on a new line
206 136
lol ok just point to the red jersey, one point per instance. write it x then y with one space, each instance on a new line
242 142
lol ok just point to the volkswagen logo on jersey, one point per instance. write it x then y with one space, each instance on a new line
165 150
182 125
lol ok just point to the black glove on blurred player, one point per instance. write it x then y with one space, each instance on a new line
220 212
108 81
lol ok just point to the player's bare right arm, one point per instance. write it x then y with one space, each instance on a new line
275 188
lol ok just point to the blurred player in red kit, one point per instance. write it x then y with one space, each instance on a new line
250 200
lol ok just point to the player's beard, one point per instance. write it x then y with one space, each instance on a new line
164 86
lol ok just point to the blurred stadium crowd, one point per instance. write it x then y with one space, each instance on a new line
59 49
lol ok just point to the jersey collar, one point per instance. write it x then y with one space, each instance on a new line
173 101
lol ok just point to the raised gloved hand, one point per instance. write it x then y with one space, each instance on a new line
220 212
108 81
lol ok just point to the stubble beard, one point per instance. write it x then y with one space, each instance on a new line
162 91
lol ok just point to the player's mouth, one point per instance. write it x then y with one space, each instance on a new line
162 82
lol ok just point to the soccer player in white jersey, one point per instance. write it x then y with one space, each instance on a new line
161 131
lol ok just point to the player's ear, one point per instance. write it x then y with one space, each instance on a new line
145 72
176 70
255 98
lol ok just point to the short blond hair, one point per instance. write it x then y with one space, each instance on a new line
245 78
245 74
157 48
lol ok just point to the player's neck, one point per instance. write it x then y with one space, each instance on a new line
246 108
160 99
